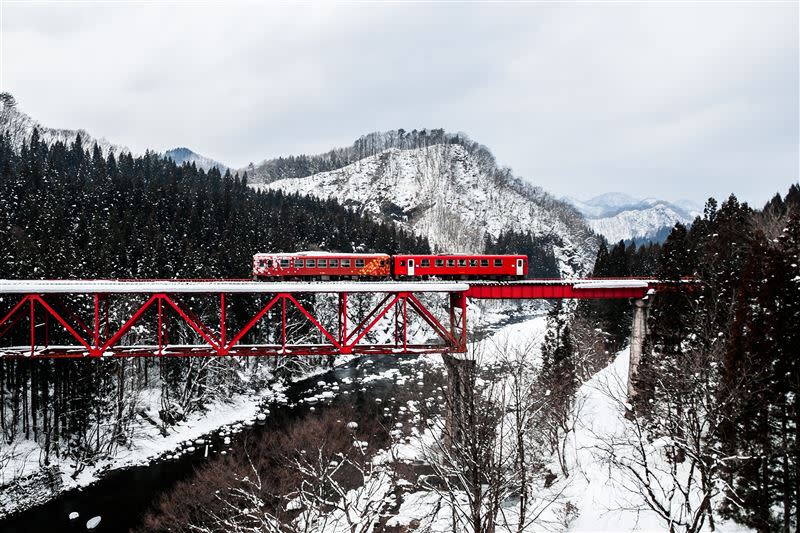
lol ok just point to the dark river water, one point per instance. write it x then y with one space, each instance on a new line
123 496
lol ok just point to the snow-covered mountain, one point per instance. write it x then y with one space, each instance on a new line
453 196
618 216
20 126
184 155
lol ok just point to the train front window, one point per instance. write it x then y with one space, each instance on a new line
298 263
334 263
473 262
498 262
425 263
359 263
311 263
439 262
322 263
345 263
462 262
284 263
484 262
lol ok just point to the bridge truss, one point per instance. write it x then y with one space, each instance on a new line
129 318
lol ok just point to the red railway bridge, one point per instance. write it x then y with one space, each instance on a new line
96 323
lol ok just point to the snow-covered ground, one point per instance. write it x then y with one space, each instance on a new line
23 458
599 495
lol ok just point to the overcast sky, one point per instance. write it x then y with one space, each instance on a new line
671 100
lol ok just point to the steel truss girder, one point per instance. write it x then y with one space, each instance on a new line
100 340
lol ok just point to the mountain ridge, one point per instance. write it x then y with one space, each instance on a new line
619 216
20 127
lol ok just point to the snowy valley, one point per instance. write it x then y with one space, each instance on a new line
536 428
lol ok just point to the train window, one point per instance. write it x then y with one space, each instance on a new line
451 262
402 262
284 263
359 263
440 262
298 263
383 262
262 263
345 263
425 263
462 262
334 263
311 263
498 262
269 263
484 262
473 262
322 263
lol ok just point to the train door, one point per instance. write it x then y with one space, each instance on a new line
410 267
519 267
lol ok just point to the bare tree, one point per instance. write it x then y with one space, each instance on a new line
482 458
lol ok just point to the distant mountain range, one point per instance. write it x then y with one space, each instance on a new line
618 216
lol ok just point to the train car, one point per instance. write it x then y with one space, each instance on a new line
460 266
320 265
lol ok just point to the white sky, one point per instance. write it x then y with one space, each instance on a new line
671 100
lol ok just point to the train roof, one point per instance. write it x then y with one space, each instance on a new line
311 253
460 255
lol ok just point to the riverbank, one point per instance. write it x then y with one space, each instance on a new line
27 482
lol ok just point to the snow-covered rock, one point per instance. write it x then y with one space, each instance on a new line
93 522
454 197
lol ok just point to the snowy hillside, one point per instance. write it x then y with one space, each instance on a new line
452 197
184 155
618 216
20 126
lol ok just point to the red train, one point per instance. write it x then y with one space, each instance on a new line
333 266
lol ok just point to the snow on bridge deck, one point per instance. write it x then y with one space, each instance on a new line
586 288
80 286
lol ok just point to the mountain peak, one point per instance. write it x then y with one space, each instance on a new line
181 155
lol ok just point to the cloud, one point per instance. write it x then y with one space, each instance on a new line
667 100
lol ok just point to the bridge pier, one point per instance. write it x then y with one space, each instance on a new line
641 311
460 396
